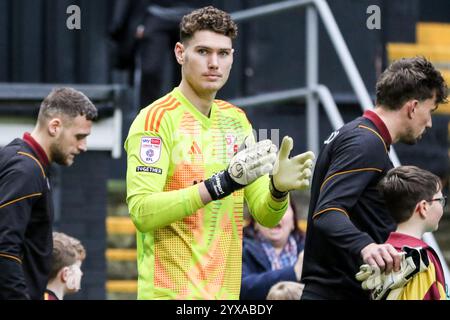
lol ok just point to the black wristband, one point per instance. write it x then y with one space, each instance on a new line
221 185
275 193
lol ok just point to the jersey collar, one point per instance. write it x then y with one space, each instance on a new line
204 120
36 147
398 240
380 125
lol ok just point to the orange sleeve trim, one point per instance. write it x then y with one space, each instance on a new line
330 209
152 112
16 200
349 171
377 134
164 110
32 157
10 257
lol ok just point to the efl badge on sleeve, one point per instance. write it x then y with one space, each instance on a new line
150 149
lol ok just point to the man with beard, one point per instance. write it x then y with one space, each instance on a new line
348 221
26 212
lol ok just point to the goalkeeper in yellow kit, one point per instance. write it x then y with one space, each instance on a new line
191 162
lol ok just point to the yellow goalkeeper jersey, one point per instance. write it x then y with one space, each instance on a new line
187 250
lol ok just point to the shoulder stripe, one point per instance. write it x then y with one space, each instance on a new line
152 111
223 105
376 133
164 110
330 209
220 102
348 171
9 256
32 157
158 110
21 198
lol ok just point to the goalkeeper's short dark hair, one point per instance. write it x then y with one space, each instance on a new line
207 18
405 186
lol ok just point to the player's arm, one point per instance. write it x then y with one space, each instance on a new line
148 156
264 208
151 207
19 190
351 172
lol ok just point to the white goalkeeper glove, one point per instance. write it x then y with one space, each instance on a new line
413 261
248 164
293 173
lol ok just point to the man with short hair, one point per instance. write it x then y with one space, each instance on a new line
26 212
348 221
187 175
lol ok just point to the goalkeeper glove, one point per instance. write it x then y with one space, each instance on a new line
413 261
293 173
247 165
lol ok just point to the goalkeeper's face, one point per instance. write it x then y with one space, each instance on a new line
206 61
279 234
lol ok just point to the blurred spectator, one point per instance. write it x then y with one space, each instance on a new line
65 276
271 255
286 290
143 34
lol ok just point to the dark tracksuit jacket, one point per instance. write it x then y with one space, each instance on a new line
346 212
26 217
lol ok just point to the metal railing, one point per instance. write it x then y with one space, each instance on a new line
315 92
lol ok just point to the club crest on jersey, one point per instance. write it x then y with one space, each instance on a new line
150 149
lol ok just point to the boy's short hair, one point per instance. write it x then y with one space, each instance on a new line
66 251
207 18
410 78
78 247
403 187
285 290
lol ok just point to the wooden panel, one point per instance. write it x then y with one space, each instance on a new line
128 286
433 33
121 254
120 225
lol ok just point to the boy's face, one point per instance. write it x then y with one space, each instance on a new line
435 212
206 61
74 275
